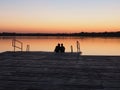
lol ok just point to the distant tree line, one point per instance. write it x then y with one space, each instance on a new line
84 34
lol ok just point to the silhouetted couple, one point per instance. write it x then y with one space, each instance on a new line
60 48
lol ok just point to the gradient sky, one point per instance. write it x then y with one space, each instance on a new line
62 16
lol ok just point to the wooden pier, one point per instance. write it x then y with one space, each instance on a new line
50 71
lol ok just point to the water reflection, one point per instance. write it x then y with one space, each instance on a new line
89 46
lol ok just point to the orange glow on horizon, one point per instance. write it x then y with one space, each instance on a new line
61 24
58 27
63 16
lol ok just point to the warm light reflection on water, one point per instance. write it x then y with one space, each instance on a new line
89 46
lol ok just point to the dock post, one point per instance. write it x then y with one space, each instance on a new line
13 44
28 48
71 49
78 49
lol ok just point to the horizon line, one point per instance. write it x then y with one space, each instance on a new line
60 32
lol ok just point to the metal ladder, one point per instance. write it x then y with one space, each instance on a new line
14 44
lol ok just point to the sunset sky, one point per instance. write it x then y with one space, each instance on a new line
59 16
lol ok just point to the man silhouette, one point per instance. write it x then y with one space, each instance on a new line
62 48
57 48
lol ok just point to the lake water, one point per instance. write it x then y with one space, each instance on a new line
88 46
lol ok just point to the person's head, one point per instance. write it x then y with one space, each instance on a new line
58 44
61 44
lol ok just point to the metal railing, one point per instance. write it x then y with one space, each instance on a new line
14 44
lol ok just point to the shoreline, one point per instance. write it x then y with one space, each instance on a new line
81 34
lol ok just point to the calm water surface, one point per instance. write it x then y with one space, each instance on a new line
89 46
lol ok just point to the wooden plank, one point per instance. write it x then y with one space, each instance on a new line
50 71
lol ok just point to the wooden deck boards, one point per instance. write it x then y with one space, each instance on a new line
50 71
